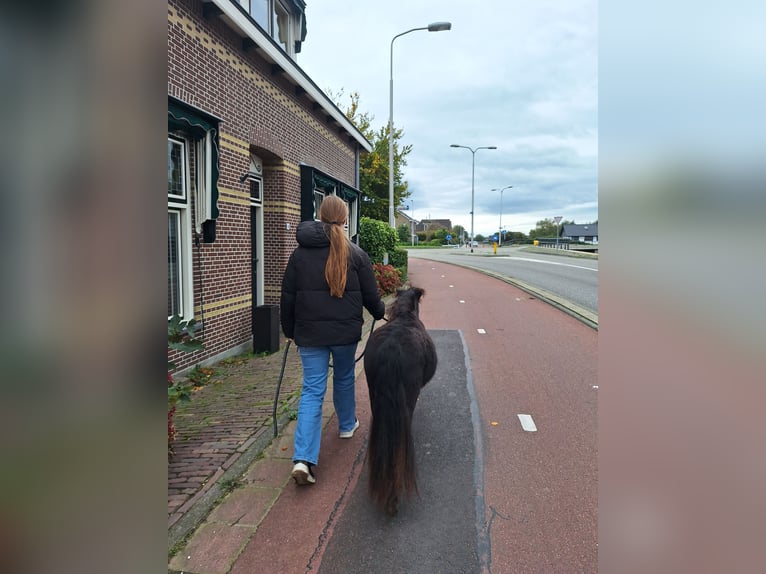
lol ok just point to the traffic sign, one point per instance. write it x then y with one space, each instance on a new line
449 237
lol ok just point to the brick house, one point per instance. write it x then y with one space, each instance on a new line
253 147
434 224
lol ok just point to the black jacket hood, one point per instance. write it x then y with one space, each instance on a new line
312 234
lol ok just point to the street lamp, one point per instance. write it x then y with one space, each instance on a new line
433 27
500 229
473 157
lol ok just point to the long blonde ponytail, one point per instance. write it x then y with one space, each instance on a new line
334 213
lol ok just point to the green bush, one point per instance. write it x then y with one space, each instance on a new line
398 258
376 238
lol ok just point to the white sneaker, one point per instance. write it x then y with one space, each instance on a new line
350 433
302 474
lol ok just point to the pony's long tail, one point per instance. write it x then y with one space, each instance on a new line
391 450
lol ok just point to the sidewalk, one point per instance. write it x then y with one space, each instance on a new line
225 444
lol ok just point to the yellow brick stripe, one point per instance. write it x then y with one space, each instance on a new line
236 149
226 195
284 167
282 207
211 314
237 302
234 142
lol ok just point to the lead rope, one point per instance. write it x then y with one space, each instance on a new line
282 374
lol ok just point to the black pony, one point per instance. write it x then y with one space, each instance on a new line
399 359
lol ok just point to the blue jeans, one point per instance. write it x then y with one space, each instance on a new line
316 360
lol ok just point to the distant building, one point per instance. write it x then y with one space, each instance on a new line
434 224
584 233
403 219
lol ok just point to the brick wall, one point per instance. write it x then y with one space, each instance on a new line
209 69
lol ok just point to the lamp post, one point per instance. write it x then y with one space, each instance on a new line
473 157
433 27
500 228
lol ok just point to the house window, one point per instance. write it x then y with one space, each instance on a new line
318 197
275 18
179 235
175 292
176 170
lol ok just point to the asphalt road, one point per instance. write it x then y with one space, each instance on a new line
573 279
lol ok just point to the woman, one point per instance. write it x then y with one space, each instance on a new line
327 282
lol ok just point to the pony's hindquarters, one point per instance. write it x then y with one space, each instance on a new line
391 450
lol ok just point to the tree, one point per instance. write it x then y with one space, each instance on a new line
478 237
373 167
457 233
547 228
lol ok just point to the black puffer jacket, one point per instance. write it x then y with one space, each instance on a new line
308 313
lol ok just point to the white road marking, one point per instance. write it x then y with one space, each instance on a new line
518 299
481 331
595 387
442 276
553 263
461 301
451 285
527 423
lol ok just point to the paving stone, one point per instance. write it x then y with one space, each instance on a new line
212 549
245 506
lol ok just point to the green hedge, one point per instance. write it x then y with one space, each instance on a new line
377 238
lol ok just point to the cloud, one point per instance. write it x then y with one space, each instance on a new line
519 76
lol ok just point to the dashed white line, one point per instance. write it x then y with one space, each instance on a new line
461 301
481 331
527 423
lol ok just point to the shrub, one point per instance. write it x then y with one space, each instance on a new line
376 238
398 258
389 278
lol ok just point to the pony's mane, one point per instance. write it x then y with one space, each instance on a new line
406 303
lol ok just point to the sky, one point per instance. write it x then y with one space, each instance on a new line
521 76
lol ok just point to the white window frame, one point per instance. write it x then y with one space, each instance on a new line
182 206
289 45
